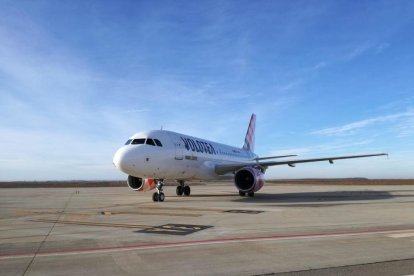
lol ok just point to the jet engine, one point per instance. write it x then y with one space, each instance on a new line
141 184
249 180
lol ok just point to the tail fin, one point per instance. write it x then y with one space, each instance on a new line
249 140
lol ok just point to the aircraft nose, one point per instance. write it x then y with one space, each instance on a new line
117 159
121 160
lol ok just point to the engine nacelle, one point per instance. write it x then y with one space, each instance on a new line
141 184
249 179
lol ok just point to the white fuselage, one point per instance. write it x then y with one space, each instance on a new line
176 156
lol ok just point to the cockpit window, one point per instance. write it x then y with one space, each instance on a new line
138 141
158 142
150 142
128 142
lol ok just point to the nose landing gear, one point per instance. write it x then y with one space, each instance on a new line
182 189
159 195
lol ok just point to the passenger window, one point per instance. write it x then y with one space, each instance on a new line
158 142
150 142
138 141
128 142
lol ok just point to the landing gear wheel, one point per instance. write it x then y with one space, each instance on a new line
161 197
242 193
251 194
187 190
179 191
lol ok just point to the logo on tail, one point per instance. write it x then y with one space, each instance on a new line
249 140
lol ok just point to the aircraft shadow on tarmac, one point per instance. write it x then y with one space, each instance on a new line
318 197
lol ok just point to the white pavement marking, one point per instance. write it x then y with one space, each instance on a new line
401 235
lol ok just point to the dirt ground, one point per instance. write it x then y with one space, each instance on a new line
104 183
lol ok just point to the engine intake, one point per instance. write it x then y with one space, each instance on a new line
249 179
140 184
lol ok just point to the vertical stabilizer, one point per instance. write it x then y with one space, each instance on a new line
249 140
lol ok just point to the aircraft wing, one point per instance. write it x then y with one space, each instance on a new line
228 168
274 157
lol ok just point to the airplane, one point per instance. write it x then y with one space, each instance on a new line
148 158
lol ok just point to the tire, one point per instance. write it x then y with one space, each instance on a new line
251 194
179 191
242 193
155 197
187 190
161 197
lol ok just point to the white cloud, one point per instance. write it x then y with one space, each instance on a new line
323 149
290 85
381 47
366 47
358 51
320 65
351 128
406 127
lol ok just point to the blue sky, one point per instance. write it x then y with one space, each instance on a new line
324 78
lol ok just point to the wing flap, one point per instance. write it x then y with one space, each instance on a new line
274 157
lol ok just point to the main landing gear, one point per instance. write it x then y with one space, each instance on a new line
159 195
183 189
250 194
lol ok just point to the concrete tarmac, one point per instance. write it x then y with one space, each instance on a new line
285 229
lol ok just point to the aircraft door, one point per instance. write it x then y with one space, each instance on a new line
178 146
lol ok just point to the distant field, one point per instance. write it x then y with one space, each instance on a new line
88 184
344 181
76 184
61 184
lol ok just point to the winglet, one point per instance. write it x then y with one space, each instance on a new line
249 139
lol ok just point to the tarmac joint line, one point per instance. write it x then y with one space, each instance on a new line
171 229
89 223
203 242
